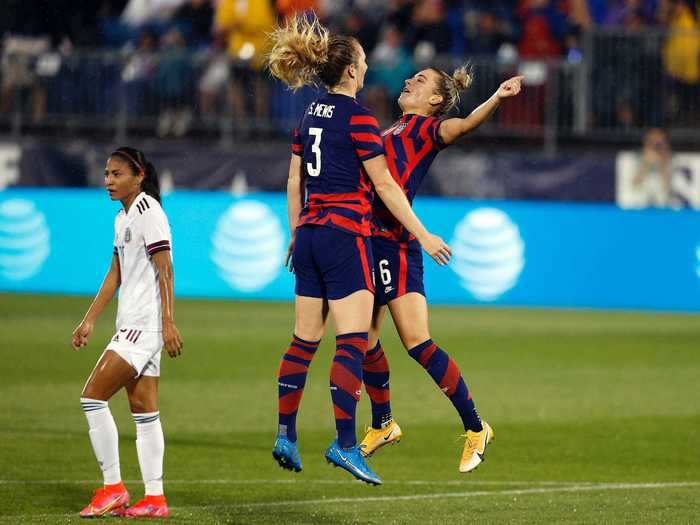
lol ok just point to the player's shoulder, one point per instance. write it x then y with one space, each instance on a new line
427 120
361 116
148 208
359 109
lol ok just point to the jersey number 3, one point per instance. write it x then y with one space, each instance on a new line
314 170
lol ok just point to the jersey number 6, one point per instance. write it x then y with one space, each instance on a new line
315 170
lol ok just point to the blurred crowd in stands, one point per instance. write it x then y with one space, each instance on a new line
156 41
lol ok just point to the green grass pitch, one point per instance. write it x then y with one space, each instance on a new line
596 416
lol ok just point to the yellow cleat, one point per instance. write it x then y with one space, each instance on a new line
377 438
475 447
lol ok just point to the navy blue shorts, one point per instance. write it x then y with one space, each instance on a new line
331 264
399 267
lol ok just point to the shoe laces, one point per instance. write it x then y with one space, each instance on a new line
471 443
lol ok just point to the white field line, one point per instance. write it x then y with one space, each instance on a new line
592 487
294 481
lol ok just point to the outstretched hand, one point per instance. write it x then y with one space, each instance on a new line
510 87
81 335
436 248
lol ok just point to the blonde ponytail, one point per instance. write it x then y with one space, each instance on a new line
299 51
462 77
449 87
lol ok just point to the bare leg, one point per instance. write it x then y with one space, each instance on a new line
110 374
410 315
352 313
310 316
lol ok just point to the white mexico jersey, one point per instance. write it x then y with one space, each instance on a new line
138 234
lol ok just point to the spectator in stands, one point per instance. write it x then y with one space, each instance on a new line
173 80
245 24
358 25
140 13
194 19
429 34
288 8
681 60
389 64
543 28
654 172
138 75
630 14
213 82
20 80
486 32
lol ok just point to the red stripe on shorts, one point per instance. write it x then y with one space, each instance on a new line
403 271
365 265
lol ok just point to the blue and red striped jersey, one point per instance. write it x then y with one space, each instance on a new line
411 145
335 135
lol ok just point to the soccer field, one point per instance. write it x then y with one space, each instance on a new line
596 416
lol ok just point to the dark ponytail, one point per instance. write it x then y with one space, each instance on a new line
151 184
137 161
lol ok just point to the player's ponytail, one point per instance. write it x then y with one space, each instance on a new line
303 50
449 87
137 160
151 184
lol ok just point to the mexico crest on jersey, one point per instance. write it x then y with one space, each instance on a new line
127 235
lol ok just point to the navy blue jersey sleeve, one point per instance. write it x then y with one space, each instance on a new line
431 128
365 135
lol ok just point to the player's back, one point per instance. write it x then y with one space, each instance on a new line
334 137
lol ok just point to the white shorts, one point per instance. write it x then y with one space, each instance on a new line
140 349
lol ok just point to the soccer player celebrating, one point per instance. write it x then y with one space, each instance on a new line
411 145
142 270
337 150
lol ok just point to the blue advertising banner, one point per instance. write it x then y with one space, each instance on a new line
505 253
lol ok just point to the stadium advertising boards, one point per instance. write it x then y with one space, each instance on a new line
505 253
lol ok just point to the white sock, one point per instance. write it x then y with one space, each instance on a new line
150 447
104 438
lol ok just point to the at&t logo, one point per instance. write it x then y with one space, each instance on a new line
24 239
488 253
248 246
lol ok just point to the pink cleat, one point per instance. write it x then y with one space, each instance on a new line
149 507
108 500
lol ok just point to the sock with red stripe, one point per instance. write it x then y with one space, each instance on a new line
446 374
291 380
346 382
375 374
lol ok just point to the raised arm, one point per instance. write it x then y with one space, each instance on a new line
109 286
395 199
453 129
171 336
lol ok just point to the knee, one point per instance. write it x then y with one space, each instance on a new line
138 405
308 333
414 339
90 392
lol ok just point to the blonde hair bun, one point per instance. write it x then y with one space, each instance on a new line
463 77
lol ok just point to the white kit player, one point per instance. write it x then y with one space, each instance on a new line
142 270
